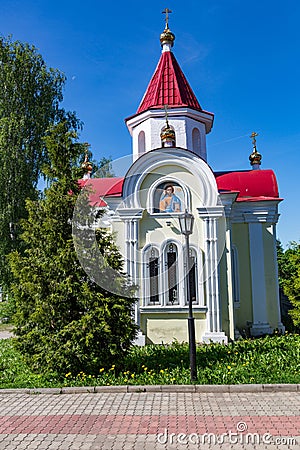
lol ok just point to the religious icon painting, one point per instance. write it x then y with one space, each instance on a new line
169 198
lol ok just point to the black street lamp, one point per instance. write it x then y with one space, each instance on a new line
186 222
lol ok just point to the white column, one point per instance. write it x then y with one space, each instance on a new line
227 201
260 323
214 327
131 218
281 327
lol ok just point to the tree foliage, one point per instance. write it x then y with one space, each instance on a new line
66 322
30 94
104 169
289 277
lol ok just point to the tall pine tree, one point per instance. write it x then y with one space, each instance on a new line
65 321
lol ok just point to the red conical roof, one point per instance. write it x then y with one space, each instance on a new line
168 86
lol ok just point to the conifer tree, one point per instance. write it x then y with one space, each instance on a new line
66 322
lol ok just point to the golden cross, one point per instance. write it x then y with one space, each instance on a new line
86 149
166 113
253 136
167 11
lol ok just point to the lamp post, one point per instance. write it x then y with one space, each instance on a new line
186 222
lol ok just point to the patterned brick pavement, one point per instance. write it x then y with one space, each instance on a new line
150 420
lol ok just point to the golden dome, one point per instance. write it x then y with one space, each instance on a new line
87 166
167 37
255 158
167 135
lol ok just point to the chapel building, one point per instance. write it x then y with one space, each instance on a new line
233 277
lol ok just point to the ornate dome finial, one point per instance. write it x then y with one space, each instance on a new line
87 166
167 38
167 135
255 157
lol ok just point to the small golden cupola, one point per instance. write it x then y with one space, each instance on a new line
255 157
87 166
167 134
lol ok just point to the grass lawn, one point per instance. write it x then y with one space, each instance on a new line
274 359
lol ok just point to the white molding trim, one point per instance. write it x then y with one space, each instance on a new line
205 182
173 309
130 213
166 179
200 116
219 337
208 212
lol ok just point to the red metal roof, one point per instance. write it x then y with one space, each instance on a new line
251 185
168 86
102 187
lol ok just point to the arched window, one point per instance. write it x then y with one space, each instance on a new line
172 275
235 276
153 273
142 142
193 276
151 276
196 140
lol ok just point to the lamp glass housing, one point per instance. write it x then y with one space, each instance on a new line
186 222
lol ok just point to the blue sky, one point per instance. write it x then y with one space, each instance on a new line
241 59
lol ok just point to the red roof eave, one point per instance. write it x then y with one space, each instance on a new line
250 186
258 199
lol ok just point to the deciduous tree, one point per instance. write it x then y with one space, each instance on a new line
289 277
30 95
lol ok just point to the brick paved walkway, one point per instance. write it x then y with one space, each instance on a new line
151 420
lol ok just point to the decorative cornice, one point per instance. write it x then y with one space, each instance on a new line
200 116
172 309
254 212
130 213
213 212
227 200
